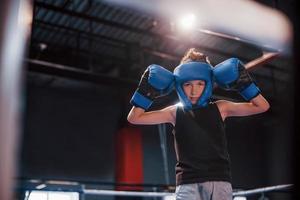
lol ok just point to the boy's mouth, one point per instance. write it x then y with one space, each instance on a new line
194 99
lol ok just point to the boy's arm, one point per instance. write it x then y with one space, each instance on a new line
256 105
232 75
139 116
155 82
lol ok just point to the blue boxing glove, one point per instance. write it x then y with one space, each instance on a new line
231 74
155 82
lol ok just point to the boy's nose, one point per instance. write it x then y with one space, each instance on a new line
192 89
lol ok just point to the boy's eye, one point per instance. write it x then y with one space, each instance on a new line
186 84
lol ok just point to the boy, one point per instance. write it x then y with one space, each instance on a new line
203 163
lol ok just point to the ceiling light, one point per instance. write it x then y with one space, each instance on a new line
187 22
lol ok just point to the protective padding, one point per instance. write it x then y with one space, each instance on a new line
193 71
226 72
161 78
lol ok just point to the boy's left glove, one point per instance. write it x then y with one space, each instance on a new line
231 74
155 82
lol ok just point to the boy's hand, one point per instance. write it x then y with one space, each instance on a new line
232 75
156 81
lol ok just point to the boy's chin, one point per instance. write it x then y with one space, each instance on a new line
194 102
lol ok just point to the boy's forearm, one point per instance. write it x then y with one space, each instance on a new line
134 114
260 102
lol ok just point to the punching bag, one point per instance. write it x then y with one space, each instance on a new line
129 158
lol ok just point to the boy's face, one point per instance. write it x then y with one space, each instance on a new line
193 90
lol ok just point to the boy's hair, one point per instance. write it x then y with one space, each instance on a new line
194 54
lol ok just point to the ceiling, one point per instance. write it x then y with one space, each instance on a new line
107 43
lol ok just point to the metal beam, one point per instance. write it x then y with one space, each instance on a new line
78 74
122 44
133 29
126 27
95 19
86 52
114 42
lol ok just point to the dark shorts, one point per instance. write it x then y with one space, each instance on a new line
212 190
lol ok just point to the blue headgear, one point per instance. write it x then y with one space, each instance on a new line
193 71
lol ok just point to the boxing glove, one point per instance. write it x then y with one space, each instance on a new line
156 81
231 74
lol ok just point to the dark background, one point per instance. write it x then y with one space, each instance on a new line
72 114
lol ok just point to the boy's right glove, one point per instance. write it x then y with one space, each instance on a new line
156 81
231 74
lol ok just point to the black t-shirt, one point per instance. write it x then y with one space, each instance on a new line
201 146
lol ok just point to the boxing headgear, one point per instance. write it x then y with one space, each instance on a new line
193 71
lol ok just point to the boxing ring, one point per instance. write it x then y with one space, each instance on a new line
10 92
152 190
245 193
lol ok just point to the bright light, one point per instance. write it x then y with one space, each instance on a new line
37 196
173 197
48 195
179 104
41 186
187 22
62 196
239 198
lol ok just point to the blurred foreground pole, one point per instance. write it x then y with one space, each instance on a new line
15 25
